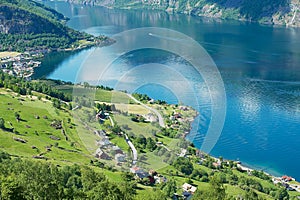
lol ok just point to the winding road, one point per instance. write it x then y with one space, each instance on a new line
160 118
133 149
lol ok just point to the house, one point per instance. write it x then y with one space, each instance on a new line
151 179
184 108
276 180
139 173
100 133
187 195
152 172
189 188
287 178
182 153
151 101
160 179
177 115
150 117
102 155
216 164
135 170
103 142
117 150
102 115
200 154
120 157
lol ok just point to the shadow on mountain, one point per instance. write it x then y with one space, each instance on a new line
256 9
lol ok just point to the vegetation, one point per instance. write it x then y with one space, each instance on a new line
20 31
24 179
53 162
23 87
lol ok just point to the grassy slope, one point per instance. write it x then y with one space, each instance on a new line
29 107
38 134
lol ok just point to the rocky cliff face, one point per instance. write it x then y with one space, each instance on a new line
279 12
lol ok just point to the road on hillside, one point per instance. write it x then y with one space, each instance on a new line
160 118
133 149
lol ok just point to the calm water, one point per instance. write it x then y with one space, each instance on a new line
260 66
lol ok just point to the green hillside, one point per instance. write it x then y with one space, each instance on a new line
28 25
46 152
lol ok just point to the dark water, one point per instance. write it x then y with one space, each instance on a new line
260 67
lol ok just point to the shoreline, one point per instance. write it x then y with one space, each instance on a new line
282 24
17 59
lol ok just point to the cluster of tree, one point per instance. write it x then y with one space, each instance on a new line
137 118
141 97
102 87
225 175
141 143
261 175
170 132
23 42
184 165
145 98
215 191
23 87
248 184
22 179
103 106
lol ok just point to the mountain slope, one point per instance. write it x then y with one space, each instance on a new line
280 12
28 25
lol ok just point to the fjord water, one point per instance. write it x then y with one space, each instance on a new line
260 67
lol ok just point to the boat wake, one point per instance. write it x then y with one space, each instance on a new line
274 81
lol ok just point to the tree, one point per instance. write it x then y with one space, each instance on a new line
11 189
127 176
215 191
142 141
90 178
151 144
4 156
183 165
251 195
2 123
169 188
282 194
56 103
116 129
106 191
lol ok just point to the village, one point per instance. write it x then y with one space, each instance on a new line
20 64
107 150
